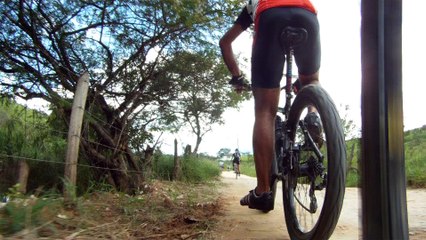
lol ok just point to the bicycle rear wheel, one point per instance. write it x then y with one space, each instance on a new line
313 189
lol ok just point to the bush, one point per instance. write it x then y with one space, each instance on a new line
199 169
247 166
193 169
163 167
23 212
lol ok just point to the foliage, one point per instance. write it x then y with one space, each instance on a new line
193 169
25 135
47 45
353 179
415 160
350 130
164 207
415 156
199 170
201 95
23 212
224 152
163 167
247 166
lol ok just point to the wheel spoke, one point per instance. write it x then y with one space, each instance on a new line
314 159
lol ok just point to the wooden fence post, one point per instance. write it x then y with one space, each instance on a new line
74 134
177 170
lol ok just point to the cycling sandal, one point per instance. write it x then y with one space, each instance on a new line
264 202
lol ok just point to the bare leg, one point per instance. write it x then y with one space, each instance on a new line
266 104
309 79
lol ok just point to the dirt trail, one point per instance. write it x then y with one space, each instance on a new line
243 223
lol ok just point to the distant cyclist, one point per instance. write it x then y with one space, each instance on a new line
270 17
236 160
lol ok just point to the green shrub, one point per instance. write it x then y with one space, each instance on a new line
247 166
415 171
199 169
352 179
193 169
25 212
163 167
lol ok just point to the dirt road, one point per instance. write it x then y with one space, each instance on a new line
243 223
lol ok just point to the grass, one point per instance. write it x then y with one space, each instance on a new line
161 210
415 160
193 169
352 179
415 171
26 212
246 166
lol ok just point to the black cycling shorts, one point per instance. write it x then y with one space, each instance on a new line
268 55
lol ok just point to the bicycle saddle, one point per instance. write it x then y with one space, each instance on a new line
293 36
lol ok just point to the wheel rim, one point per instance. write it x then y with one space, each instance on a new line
306 200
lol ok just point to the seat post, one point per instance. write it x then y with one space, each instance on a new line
289 78
289 38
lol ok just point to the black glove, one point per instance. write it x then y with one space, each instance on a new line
240 83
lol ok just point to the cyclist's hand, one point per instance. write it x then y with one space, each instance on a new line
240 83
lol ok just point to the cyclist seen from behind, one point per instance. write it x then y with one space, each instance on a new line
236 160
270 17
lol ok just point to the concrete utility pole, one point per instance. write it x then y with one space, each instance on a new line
384 204
74 134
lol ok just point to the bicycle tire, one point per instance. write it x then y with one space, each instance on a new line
335 178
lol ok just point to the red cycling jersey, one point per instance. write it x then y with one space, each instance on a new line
255 7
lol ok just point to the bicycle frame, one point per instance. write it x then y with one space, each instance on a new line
282 131
313 183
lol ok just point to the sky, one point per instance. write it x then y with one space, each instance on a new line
340 72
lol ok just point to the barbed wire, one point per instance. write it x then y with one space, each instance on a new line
39 126
22 112
20 115
63 163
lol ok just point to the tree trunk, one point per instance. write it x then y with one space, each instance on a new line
147 162
187 150
108 149
197 144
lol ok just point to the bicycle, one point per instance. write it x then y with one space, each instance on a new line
313 175
237 172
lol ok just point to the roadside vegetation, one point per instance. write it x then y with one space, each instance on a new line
415 160
160 210
163 207
154 67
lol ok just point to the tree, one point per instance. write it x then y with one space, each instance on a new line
46 45
224 152
350 129
202 91
27 143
